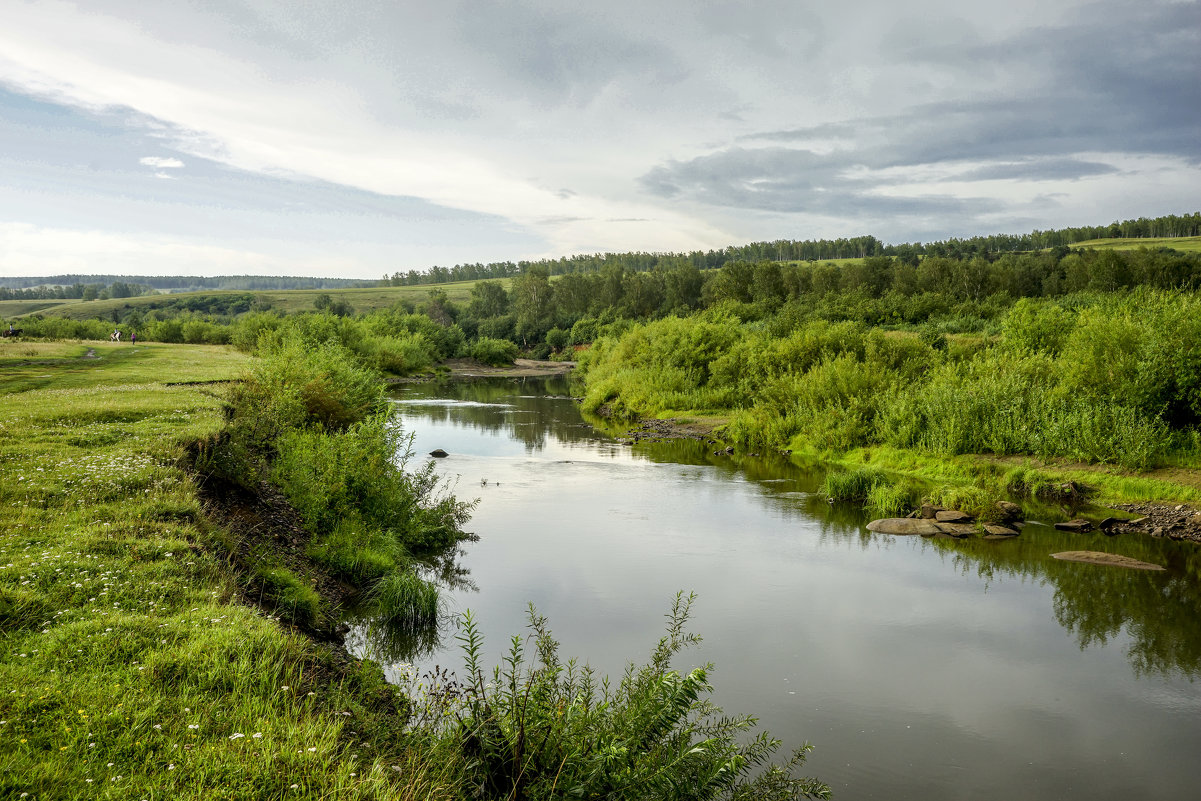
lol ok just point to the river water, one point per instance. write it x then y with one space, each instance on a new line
919 668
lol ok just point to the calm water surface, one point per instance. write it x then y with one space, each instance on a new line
920 669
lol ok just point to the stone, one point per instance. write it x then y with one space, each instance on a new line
1079 526
1108 523
929 510
1008 511
1138 521
952 516
1102 558
904 526
438 453
994 530
956 529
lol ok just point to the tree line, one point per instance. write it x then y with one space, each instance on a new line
783 250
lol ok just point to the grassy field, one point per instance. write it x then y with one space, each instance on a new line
130 666
285 300
1188 244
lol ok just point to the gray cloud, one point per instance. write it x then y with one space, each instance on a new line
1118 79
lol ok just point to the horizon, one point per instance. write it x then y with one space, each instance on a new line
357 141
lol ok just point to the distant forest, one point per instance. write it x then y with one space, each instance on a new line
91 287
1172 225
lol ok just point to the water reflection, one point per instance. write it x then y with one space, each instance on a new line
1153 614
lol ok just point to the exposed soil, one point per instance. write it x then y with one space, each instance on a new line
263 522
470 368
667 430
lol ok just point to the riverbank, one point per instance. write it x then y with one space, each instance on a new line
470 368
1159 503
137 659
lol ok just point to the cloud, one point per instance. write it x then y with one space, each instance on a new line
166 175
160 162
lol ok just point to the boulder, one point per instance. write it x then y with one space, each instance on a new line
438 453
930 510
1078 526
904 526
956 529
994 531
952 516
1007 512
1102 558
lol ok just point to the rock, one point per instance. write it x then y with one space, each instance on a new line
1004 532
904 526
929 510
1138 521
1078 526
438 453
1102 558
914 515
730 449
956 529
1008 511
952 516
1108 523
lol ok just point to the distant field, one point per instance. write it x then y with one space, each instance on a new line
1184 243
285 300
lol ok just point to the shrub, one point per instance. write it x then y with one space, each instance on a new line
552 730
496 352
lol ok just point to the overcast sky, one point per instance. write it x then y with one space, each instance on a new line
360 137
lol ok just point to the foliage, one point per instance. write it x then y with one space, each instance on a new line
494 351
542 728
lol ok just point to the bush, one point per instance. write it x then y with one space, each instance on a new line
552 730
496 352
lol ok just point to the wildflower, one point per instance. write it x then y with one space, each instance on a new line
312 749
236 735
257 734
193 725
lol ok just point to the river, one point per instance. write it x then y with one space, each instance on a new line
919 668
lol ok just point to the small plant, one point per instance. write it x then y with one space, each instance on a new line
891 500
551 730
852 485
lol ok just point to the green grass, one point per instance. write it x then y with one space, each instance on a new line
130 666
285 300
72 365
1188 244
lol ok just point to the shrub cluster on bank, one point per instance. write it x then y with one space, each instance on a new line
1093 377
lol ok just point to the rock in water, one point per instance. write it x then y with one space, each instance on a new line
438 453
952 516
1102 558
904 525
1075 525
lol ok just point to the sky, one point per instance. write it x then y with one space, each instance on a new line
358 138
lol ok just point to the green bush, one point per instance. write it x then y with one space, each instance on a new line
496 352
548 729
